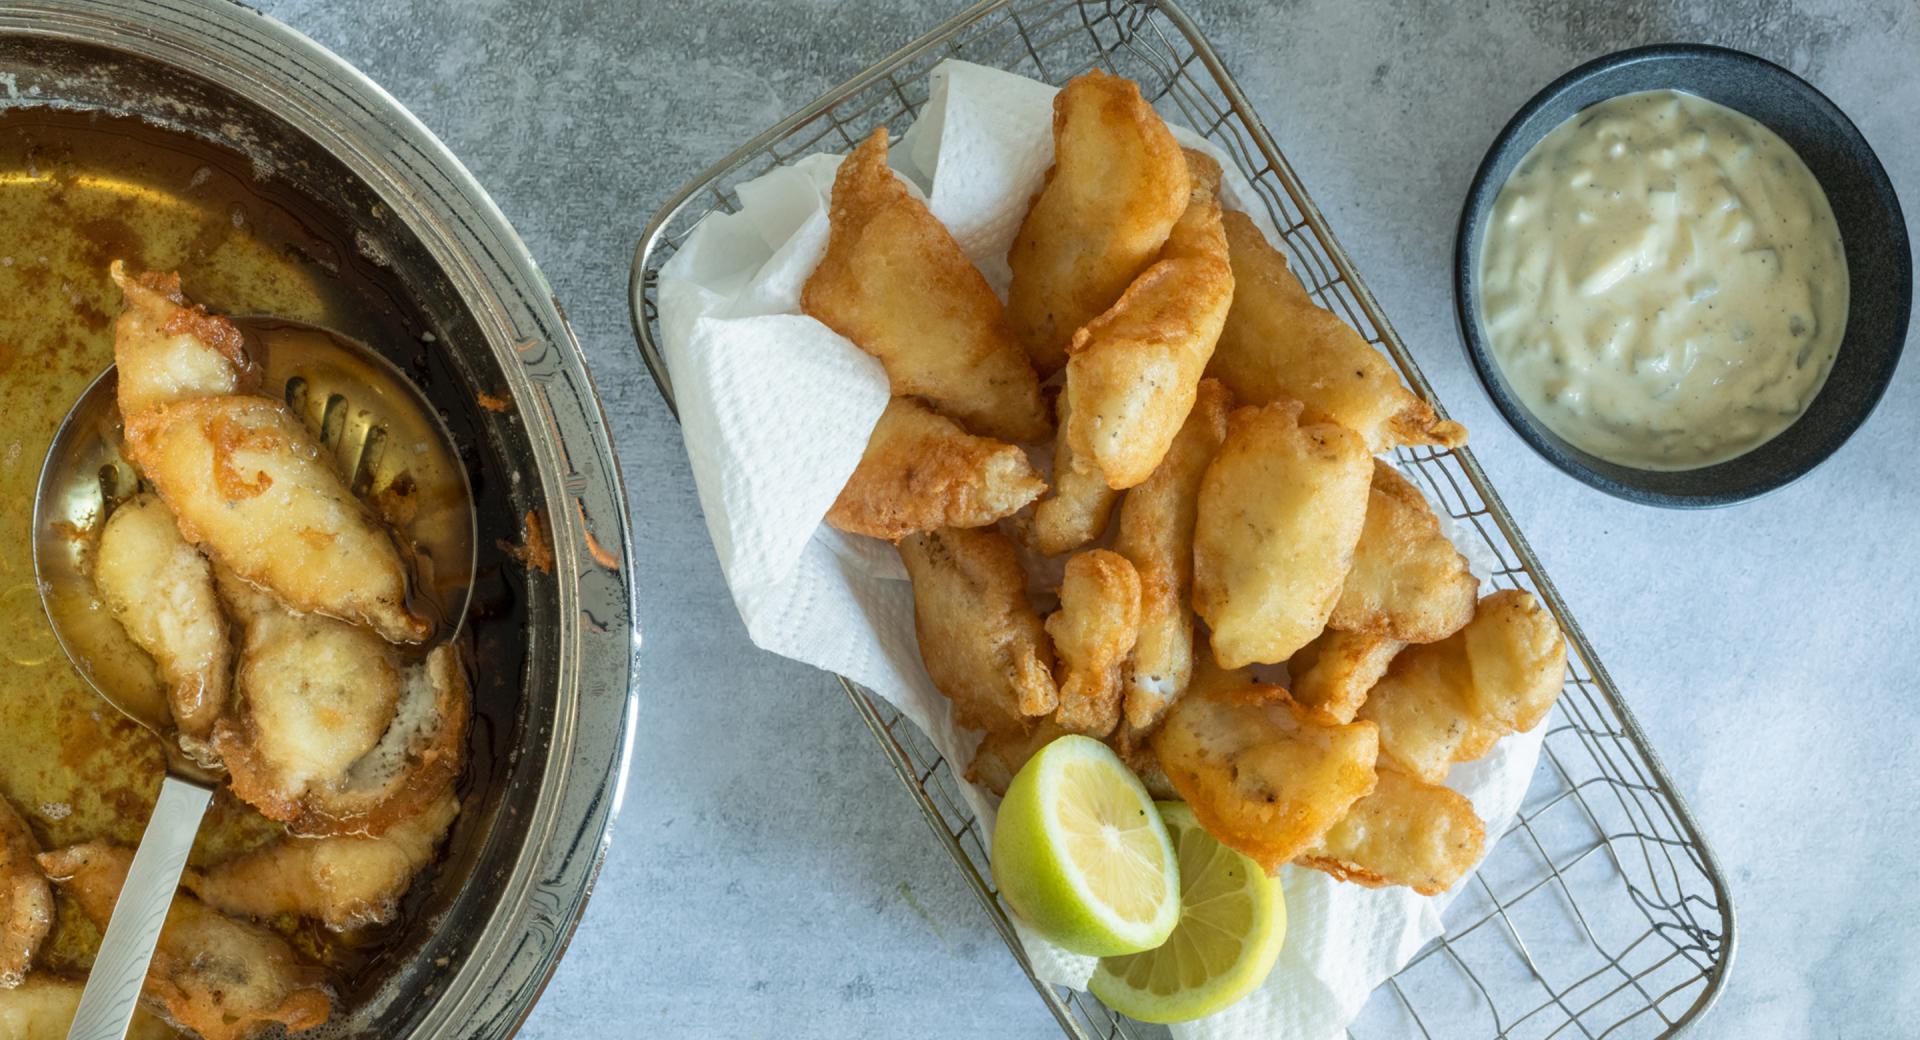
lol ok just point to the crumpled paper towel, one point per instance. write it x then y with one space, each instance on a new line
776 408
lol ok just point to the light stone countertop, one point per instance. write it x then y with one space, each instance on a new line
768 876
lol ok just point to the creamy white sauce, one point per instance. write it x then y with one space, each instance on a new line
1662 282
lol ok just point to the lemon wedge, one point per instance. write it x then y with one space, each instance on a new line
1080 854
1233 921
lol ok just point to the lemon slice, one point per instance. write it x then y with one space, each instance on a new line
1233 921
1080 854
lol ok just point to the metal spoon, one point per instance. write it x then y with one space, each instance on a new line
389 445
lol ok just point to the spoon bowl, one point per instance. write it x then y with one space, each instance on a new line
385 439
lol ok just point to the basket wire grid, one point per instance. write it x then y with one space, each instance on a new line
1600 912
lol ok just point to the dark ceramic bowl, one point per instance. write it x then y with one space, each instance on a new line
1879 265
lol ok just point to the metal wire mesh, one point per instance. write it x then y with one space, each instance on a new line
1600 912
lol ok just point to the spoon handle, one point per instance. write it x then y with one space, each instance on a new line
113 987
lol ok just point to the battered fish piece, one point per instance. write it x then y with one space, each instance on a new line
1076 509
1000 755
344 882
1156 535
223 979
251 488
1133 371
1117 185
1331 675
309 782
895 282
1278 343
26 903
922 471
1092 632
42 1008
1408 833
1518 657
982 643
1448 702
1140 758
1408 582
316 695
1280 511
160 589
166 348
1261 774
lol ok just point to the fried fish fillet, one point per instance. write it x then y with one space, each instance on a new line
1001 754
895 282
414 760
335 732
166 348
1075 510
316 695
1280 511
1331 675
42 1008
1423 836
1117 185
982 643
1140 757
251 488
1519 661
1263 776
1278 343
1408 582
1132 372
160 589
1448 702
344 882
1418 705
922 471
223 979
1092 632
26 903
1156 535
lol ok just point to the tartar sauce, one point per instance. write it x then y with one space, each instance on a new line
1662 282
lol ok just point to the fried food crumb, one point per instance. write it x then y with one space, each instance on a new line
535 548
594 549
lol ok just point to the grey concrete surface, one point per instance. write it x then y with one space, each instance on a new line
769 878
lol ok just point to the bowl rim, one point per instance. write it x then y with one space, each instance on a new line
1479 200
539 896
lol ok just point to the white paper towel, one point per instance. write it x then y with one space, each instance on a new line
776 408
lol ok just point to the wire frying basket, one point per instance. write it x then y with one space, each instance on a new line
1601 911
